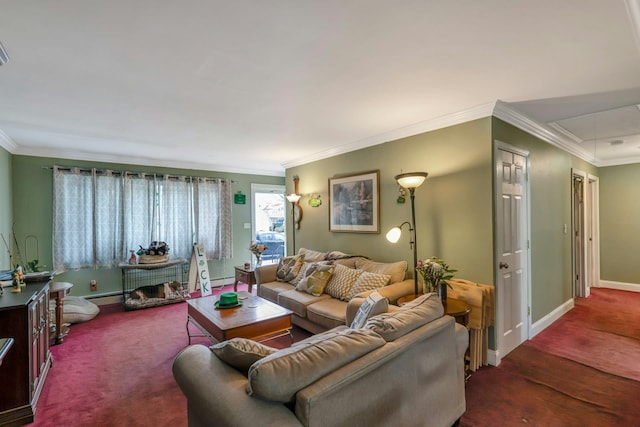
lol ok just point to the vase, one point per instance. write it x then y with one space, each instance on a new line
443 291
258 260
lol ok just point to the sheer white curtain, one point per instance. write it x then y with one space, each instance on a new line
140 209
176 210
72 215
101 215
212 201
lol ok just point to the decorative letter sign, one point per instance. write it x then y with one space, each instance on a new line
199 271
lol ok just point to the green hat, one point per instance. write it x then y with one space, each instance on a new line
228 300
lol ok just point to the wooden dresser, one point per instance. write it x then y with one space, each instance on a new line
25 318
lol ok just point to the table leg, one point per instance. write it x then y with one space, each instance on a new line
59 320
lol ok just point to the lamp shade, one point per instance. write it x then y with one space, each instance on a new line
411 180
393 235
293 198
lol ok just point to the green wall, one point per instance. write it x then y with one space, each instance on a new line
32 190
550 198
620 223
453 206
6 206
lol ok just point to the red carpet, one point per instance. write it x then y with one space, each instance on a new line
581 371
115 370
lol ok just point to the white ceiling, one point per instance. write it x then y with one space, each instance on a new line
255 86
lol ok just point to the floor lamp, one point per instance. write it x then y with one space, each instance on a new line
293 198
410 181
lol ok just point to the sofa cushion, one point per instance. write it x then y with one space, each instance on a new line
297 301
328 313
315 282
311 255
341 282
373 305
396 270
410 316
271 290
279 376
368 282
288 268
241 353
308 268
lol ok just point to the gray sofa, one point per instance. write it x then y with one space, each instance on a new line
413 377
320 313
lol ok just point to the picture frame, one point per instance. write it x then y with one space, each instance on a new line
354 203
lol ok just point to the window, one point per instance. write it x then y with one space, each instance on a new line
100 215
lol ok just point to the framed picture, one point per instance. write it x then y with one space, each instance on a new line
354 203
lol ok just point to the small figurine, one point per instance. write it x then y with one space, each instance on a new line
132 259
17 279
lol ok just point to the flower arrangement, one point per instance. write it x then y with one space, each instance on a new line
257 249
434 272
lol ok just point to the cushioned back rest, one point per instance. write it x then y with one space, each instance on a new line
392 325
279 376
78 309
396 270
400 374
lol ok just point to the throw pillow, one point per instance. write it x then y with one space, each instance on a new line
341 282
241 353
312 256
315 282
396 270
368 282
392 325
279 376
373 305
288 268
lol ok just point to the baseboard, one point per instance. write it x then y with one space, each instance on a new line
105 299
547 320
494 357
621 286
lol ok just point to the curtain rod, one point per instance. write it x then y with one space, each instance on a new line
117 172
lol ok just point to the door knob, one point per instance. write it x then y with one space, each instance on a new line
503 265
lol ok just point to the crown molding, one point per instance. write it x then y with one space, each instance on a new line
478 112
514 117
7 143
633 8
141 161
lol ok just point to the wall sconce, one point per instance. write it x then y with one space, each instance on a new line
315 201
410 181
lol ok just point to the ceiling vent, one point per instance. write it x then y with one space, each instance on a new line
4 56
616 142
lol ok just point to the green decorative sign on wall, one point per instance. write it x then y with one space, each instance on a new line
239 198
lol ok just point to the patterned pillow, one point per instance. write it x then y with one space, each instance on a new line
315 282
306 270
368 282
396 270
341 282
241 353
289 267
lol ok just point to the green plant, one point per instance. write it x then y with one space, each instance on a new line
434 271
33 267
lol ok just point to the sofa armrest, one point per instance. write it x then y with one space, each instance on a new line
266 273
393 292
216 391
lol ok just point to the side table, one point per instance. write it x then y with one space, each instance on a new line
57 291
244 276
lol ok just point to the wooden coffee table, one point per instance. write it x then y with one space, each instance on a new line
256 319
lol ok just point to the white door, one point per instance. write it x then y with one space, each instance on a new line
511 249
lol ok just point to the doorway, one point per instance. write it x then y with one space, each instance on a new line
586 240
267 220
512 247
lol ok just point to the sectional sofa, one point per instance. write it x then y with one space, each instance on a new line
320 311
